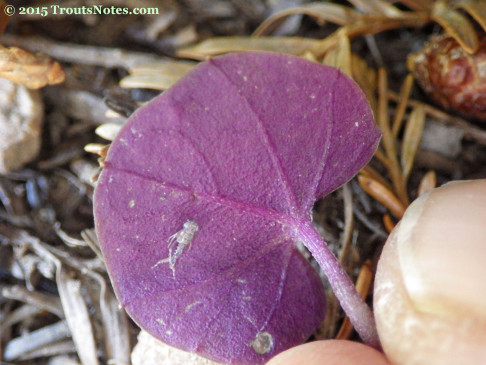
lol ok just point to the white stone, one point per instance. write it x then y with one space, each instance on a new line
150 351
442 138
21 114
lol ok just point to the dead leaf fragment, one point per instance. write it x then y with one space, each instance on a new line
32 70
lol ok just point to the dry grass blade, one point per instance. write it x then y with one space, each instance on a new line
383 195
36 339
68 240
366 79
33 71
376 7
365 278
411 139
115 324
470 131
164 67
457 25
402 104
80 104
158 76
40 300
375 175
18 315
388 140
372 24
154 82
116 329
108 131
300 45
220 45
59 348
340 56
388 223
428 182
77 316
475 8
89 235
87 55
323 12
419 5
380 156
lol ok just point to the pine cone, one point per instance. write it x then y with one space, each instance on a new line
454 79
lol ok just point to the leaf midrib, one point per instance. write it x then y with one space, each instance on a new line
269 146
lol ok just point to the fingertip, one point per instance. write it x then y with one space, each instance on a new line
330 352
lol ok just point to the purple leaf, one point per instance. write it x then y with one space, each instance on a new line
206 190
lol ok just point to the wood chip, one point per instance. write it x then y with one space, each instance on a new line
32 70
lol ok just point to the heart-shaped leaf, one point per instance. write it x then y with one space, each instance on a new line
207 189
